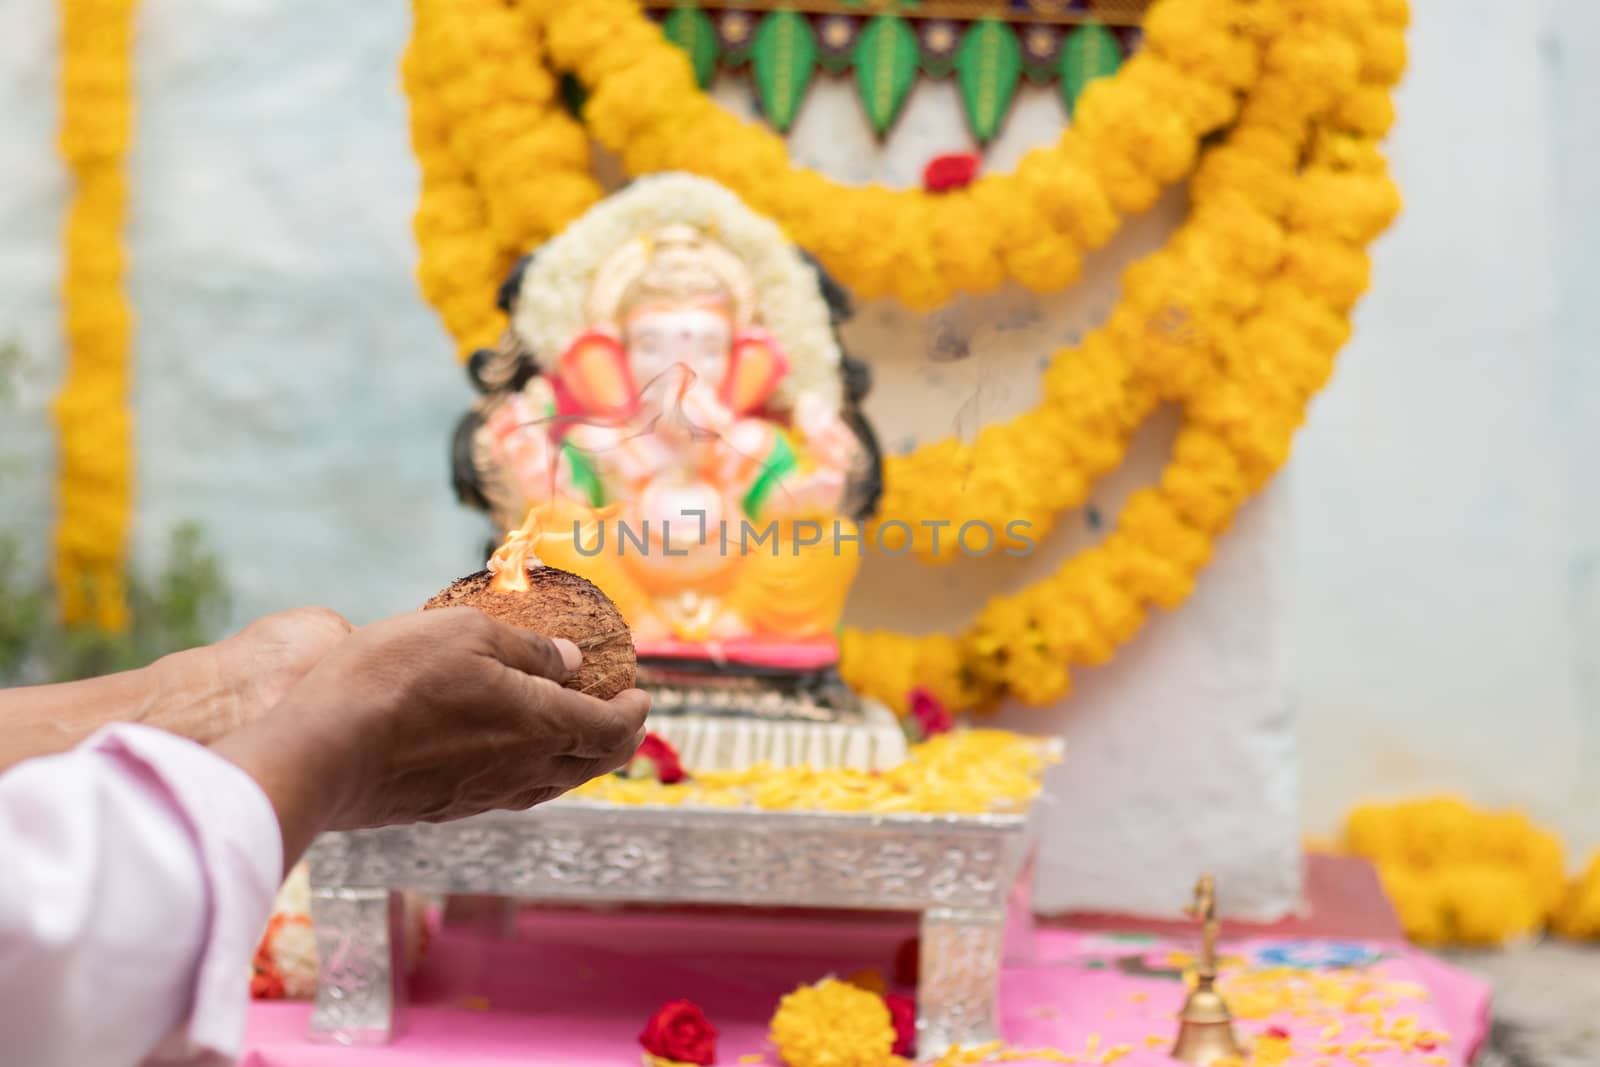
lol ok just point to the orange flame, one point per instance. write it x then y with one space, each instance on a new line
510 561
519 552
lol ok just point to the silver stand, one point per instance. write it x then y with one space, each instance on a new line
957 872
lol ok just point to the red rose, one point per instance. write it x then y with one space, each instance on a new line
680 1032
931 716
952 171
903 1013
656 759
1278 1032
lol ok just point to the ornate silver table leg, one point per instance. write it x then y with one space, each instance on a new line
958 988
361 985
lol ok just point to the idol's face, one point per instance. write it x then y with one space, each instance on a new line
693 337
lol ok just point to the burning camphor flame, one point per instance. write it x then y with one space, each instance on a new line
519 551
511 560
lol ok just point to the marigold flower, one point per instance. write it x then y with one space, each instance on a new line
833 1024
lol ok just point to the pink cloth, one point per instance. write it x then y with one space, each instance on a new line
136 873
575 989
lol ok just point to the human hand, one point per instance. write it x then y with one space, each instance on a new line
256 666
201 693
208 692
432 717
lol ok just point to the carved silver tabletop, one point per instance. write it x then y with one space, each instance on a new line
957 871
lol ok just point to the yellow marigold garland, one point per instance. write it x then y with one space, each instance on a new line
462 265
1236 322
1579 914
1247 350
91 411
486 119
1461 875
1131 135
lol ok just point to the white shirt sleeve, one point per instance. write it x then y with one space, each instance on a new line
136 875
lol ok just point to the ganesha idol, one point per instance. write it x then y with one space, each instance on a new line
670 415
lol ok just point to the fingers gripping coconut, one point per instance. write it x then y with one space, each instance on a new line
442 714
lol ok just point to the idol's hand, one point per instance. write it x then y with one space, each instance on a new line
810 495
431 717
828 439
691 414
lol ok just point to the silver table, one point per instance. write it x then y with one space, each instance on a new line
956 871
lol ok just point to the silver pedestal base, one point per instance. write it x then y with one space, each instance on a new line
956 871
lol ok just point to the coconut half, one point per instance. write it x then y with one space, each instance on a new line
558 603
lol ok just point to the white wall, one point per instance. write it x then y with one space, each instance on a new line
1445 568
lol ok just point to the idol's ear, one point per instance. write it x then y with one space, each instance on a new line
505 369
864 485
755 368
857 377
506 299
465 478
594 371
840 306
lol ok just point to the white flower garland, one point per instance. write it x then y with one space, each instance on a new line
551 303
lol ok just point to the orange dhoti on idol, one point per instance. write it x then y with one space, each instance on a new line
773 593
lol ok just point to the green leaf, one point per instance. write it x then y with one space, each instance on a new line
988 68
784 58
1092 52
886 69
691 30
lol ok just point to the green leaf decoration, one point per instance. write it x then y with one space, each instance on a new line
784 59
988 68
886 68
1092 52
692 30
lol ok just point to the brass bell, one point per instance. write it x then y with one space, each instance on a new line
1205 1026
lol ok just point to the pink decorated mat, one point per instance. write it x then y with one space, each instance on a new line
574 989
